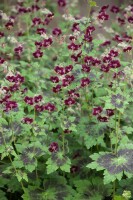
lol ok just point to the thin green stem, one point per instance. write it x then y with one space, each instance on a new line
114 188
63 142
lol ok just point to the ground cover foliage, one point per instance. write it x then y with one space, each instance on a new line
66 101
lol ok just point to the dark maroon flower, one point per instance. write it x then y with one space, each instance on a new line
70 101
6 89
108 42
117 38
75 95
19 78
68 68
130 20
10 78
65 82
88 60
36 21
69 78
113 53
110 112
37 98
14 88
2 60
22 10
49 106
53 147
88 38
10 105
107 59
90 29
29 100
74 169
126 49
71 92
97 110
67 131
103 119
35 8
1 34
72 38
105 68
103 8
38 53
103 16
56 31
115 9
5 98
75 57
121 21
85 81
114 64
126 37
39 108
18 50
9 25
47 42
86 68
74 46
96 62
57 88
27 120
41 31
54 79
61 3
60 70
75 27
38 44
50 15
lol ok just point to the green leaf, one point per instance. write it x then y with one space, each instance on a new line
66 166
51 166
2 195
26 195
19 176
18 163
108 178
118 198
92 3
30 168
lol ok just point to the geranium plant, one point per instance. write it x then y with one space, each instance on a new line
66 101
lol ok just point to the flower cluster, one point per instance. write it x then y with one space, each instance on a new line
97 111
